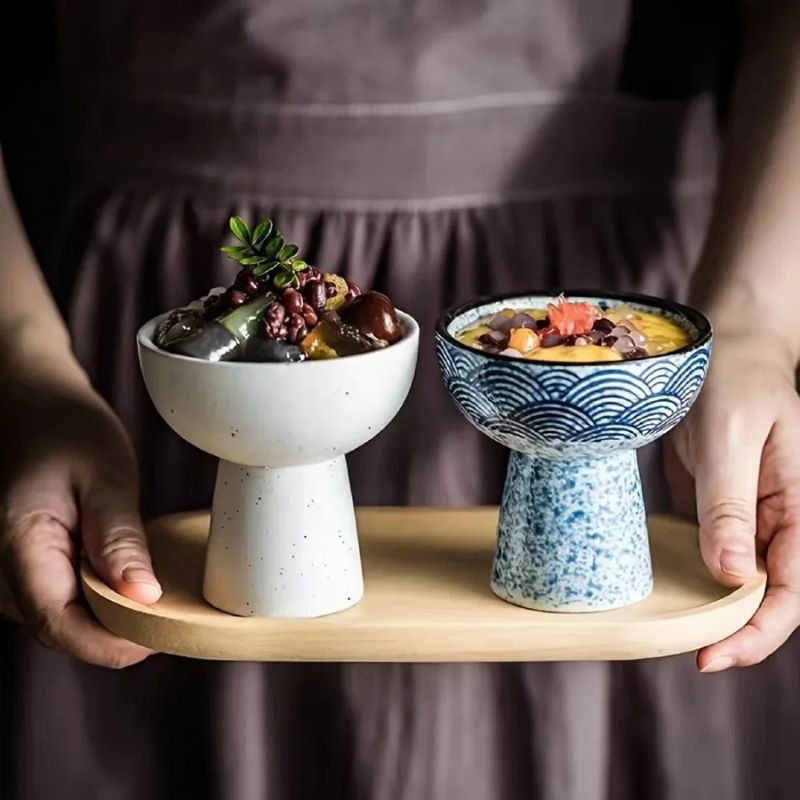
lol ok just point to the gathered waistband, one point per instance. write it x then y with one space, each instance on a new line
454 153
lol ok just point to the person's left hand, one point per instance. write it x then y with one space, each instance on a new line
736 459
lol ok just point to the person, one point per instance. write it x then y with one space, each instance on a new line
436 152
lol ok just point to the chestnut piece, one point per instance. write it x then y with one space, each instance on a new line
373 313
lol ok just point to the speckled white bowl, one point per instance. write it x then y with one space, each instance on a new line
283 539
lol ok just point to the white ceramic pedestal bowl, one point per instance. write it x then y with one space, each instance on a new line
283 539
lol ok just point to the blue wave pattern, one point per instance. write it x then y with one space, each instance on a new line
567 412
572 535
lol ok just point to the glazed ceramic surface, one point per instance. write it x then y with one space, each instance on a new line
283 536
572 534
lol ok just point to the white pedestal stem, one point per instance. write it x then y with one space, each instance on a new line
283 542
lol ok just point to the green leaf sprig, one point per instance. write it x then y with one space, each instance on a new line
265 253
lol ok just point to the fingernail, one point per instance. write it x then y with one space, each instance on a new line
139 575
718 664
736 562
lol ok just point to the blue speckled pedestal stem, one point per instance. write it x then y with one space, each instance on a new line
572 535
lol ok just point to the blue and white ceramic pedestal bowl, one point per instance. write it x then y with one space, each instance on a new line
572 533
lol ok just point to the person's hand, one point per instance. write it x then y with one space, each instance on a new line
67 483
736 458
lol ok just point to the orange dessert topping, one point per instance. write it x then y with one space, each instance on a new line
523 340
570 318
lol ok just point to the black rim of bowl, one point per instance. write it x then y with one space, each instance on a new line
692 315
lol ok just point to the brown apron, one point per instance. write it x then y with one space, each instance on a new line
434 150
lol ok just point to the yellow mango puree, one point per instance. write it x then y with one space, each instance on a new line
662 334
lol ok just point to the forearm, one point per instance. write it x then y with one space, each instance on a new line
33 337
749 272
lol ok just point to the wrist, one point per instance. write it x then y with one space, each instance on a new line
32 356
742 311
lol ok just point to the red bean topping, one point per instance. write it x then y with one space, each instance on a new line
637 352
315 295
500 322
494 339
309 316
522 321
638 337
296 328
274 319
354 288
551 340
276 313
246 282
608 341
603 325
624 345
235 297
292 301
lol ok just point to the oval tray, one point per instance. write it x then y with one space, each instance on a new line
427 598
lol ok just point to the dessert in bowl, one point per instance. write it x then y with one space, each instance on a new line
572 534
280 410
278 309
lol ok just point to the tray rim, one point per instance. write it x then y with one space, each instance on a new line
740 603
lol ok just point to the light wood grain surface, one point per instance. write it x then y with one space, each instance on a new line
427 598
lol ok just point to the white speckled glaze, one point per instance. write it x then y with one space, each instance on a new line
279 553
572 534
283 540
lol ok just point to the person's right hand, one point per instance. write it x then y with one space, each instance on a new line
67 484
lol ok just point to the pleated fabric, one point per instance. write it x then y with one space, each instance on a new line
435 151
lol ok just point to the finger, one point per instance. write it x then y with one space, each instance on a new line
776 618
41 578
73 630
771 626
115 543
726 480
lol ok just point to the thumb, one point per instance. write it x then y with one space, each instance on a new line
726 482
115 543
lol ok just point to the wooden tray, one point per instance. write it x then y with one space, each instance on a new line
427 598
